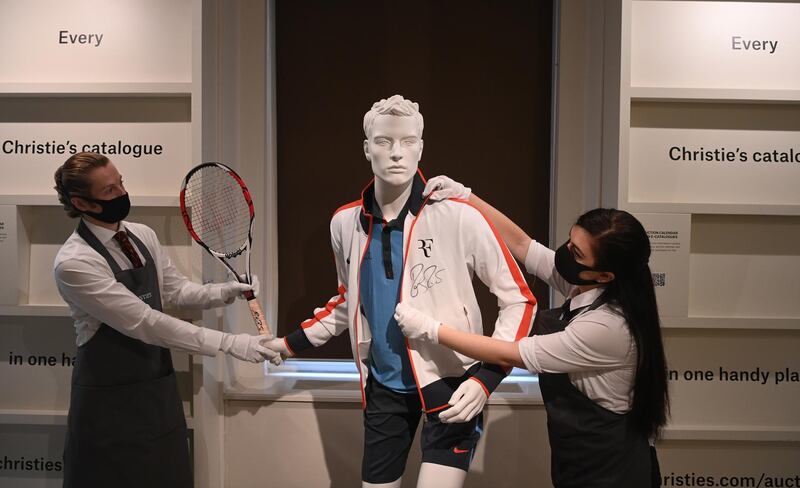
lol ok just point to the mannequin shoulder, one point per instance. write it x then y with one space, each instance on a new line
456 211
344 216
346 211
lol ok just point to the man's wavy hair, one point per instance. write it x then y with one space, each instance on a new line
72 178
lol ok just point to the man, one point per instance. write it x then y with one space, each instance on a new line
126 425
392 246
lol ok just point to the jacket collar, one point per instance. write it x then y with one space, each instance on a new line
104 235
369 208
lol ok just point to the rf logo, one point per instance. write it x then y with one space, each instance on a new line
425 246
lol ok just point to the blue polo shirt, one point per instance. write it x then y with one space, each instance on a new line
380 292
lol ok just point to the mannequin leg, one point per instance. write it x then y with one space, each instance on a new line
393 484
439 476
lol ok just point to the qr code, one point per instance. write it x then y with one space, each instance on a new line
659 279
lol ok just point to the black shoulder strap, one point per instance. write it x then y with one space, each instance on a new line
142 248
586 308
94 243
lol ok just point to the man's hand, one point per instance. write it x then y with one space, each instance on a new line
443 188
249 348
278 345
231 290
415 324
467 401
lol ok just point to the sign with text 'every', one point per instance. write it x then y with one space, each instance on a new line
728 45
96 41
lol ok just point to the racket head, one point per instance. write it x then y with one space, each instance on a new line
217 209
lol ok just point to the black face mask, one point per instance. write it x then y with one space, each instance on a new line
113 211
569 269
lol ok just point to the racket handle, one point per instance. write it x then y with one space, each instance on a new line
258 316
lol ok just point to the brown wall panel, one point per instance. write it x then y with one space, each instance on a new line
481 72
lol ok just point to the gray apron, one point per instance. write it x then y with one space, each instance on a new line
126 426
591 447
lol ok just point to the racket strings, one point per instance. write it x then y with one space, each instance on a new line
218 211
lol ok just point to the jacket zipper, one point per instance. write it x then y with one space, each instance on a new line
357 316
402 274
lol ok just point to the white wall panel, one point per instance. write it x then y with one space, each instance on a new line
697 166
142 41
714 45
737 379
159 173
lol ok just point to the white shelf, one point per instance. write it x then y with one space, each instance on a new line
52 200
713 95
94 89
733 433
34 311
746 323
710 208
33 417
308 381
47 417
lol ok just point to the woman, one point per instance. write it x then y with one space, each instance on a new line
600 357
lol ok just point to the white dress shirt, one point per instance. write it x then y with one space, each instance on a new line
596 349
94 296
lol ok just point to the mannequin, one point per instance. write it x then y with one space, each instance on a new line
390 246
394 151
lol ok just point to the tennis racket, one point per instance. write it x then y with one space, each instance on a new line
218 212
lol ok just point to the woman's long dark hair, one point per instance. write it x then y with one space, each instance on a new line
621 246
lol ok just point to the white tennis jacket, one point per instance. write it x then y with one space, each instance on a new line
445 244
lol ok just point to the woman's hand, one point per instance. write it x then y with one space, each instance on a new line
416 324
278 345
443 188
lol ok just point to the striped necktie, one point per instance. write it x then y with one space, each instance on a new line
127 248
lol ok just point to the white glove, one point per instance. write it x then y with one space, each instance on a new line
467 401
416 324
443 188
247 347
231 290
278 345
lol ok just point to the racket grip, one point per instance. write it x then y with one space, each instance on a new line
258 317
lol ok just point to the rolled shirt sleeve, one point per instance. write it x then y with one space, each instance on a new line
181 292
96 292
595 341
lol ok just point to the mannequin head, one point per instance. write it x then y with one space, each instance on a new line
393 144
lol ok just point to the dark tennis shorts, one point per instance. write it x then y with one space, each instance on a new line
390 422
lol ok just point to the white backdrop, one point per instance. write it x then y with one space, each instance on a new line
691 45
143 41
